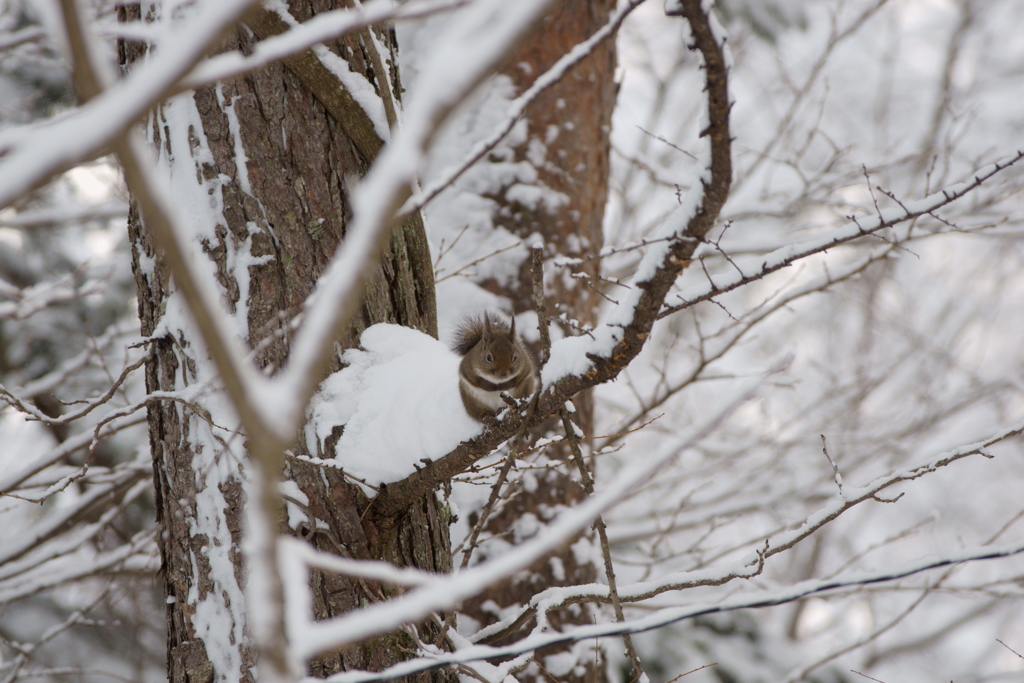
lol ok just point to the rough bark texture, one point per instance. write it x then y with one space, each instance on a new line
418 538
295 212
572 120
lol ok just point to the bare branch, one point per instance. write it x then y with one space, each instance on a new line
786 256
672 615
602 533
620 341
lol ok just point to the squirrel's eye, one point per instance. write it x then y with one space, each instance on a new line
515 359
489 359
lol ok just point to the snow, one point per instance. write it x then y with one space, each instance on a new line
474 43
240 157
447 591
663 617
536 197
42 217
399 400
569 357
324 26
36 151
356 84
362 90
946 337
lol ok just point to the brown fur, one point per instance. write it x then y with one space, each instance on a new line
495 361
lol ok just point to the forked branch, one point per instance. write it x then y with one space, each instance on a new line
669 258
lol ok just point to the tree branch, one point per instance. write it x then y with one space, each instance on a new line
643 308
668 616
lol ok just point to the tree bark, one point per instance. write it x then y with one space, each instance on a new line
571 121
286 206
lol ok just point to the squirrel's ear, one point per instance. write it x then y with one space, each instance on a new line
512 329
487 327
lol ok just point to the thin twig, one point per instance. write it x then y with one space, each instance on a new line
693 671
599 526
1009 648
537 255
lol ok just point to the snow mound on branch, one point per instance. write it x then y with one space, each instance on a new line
399 402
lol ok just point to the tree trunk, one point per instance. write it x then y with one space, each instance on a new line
275 150
571 121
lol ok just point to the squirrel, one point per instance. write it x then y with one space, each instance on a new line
494 360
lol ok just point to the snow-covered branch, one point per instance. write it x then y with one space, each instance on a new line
321 28
138 556
447 592
90 405
35 152
34 299
557 598
66 448
664 617
131 485
390 182
48 217
580 362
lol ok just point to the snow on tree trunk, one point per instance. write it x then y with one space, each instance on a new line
265 161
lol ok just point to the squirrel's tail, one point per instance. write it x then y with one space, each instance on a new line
471 330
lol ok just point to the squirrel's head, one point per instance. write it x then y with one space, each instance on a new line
497 355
